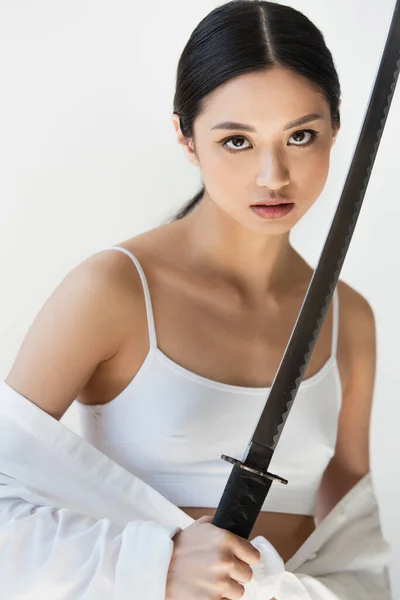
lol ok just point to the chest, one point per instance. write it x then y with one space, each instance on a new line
210 329
220 334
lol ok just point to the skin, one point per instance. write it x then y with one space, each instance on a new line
238 282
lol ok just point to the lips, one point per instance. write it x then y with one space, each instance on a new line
276 211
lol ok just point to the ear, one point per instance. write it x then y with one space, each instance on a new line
186 143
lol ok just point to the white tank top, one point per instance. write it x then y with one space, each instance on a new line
169 427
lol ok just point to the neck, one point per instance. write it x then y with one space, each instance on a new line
217 244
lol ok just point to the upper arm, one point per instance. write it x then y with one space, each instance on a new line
76 329
351 460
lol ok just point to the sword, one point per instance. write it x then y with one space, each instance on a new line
249 481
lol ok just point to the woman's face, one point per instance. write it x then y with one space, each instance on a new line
275 159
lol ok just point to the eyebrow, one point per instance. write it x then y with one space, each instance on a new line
290 125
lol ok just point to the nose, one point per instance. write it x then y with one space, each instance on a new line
273 172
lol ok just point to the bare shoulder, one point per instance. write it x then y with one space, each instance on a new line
82 324
356 320
356 314
105 283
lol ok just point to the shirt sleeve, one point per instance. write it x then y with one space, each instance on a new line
74 524
48 552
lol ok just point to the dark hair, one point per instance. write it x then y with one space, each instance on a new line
245 36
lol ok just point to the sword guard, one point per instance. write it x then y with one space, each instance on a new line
267 475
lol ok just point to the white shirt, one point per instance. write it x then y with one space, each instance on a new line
75 524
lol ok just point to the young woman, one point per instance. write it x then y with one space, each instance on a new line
169 341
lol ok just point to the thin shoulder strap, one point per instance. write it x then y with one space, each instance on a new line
149 308
335 324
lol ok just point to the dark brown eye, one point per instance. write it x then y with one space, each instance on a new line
237 142
300 134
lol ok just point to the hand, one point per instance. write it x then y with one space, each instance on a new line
209 562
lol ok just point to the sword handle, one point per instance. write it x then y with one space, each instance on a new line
242 499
